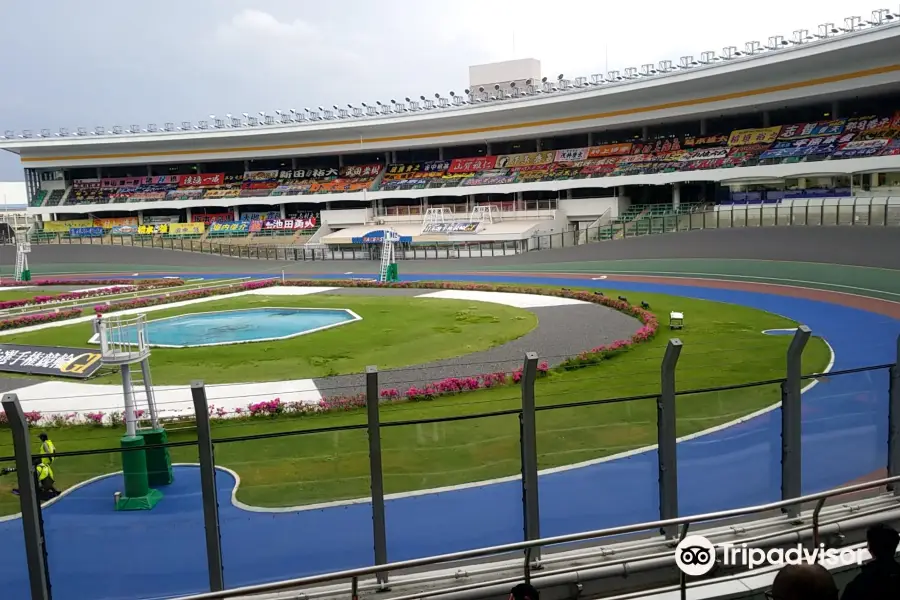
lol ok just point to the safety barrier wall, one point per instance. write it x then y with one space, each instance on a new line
799 213
355 465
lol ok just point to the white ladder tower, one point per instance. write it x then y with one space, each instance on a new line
485 213
388 253
436 215
22 229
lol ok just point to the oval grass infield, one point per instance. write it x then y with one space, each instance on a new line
723 345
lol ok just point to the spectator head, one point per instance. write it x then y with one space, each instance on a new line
883 541
43 437
803 582
524 591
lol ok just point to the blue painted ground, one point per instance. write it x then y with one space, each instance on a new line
96 553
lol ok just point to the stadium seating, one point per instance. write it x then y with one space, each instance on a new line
827 140
38 198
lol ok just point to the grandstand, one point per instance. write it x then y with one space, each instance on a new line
590 177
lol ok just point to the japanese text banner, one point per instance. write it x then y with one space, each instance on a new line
78 363
746 137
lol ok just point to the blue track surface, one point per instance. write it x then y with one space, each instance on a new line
96 553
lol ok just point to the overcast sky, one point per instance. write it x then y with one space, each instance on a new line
109 62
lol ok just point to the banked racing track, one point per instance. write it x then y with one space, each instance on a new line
96 553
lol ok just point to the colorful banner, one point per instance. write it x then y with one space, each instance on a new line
228 193
202 180
507 161
189 194
230 227
705 154
416 170
355 171
86 184
155 229
571 155
121 182
271 175
702 141
746 137
124 230
457 227
474 165
186 229
212 217
609 150
315 173
86 232
290 224
157 219
861 148
109 223
805 130
809 146
65 226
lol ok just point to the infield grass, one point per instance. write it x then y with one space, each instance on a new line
723 345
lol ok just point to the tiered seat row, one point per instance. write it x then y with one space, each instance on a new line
827 140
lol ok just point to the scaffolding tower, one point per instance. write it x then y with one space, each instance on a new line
485 213
436 215
18 231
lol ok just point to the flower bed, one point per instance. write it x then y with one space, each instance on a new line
340 403
93 282
106 290
39 319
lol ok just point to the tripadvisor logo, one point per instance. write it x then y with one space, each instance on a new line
695 556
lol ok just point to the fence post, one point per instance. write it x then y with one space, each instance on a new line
893 466
32 525
530 502
666 438
208 487
791 423
376 473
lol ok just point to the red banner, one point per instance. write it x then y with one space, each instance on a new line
203 180
472 165
609 150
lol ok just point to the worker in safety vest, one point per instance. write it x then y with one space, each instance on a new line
47 447
43 475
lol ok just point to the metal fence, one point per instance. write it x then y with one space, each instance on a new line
798 214
387 453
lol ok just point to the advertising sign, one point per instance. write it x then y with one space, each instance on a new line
473 165
187 229
702 141
157 219
861 148
746 137
65 226
805 130
86 232
271 175
212 217
506 161
159 228
202 180
124 230
78 363
290 224
260 216
571 155
230 227
609 150
361 171
109 223
457 227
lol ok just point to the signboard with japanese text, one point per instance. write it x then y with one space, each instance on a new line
202 180
747 137
806 146
77 363
416 170
308 173
571 155
705 154
121 182
230 227
155 219
508 161
155 229
188 194
609 150
456 227
474 165
806 130
111 222
704 141
65 226
212 217
364 171
260 216
124 230
86 232
86 184
891 149
290 224
270 175
228 193
861 148
187 228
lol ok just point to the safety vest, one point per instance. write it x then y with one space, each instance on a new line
43 472
47 448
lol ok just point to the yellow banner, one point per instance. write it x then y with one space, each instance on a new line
65 226
747 137
187 228
114 221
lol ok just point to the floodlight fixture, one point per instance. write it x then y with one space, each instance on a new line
852 24
801 36
45 133
186 126
776 42
26 134
83 130
752 48
564 83
99 130
116 129
269 120
343 113
63 132
428 103
9 134
202 124
357 112
827 30
543 80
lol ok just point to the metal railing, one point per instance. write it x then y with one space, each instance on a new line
860 212
865 405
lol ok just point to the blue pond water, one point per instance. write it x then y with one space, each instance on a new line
237 326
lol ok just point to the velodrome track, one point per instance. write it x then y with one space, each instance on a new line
120 555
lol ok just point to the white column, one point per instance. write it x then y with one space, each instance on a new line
237 214
283 208
188 215
645 132
767 119
702 126
676 196
140 217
